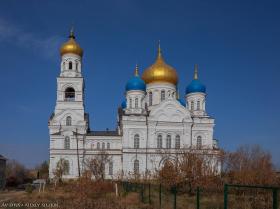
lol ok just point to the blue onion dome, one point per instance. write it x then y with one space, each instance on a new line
135 83
182 102
123 105
195 85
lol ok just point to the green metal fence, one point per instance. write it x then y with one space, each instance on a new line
160 196
273 200
180 197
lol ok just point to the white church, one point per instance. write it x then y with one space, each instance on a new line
152 120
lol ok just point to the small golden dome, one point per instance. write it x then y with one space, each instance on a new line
71 46
160 72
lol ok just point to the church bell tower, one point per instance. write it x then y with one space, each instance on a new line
69 123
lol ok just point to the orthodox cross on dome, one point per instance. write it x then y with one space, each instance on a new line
136 71
195 76
159 49
72 33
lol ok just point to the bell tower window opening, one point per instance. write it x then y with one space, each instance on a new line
70 65
150 98
68 121
162 95
70 94
77 65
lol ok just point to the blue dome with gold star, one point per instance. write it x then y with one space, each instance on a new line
135 83
195 86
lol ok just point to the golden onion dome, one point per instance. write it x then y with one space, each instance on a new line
160 72
71 46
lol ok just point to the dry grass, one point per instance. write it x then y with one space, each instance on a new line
86 194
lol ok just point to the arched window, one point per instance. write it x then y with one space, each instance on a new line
199 142
68 121
177 142
136 102
162 95
130 103
198 105
98 145
136 166
108 145
67 142
136 141
150 98
66 167
111 168
159 141
77 64
70 65
103 145
69 94
168 141
192 105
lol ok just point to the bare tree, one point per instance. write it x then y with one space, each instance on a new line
96 165
190 168
249 165
62 167
16 173
43 170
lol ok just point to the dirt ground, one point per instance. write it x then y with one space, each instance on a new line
6 196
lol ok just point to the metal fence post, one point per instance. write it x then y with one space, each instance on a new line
225 196
197 197
275 198
159 195
142 193
175 197
149 193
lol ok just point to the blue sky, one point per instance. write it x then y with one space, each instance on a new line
235 43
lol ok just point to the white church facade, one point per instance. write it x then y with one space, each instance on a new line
153 125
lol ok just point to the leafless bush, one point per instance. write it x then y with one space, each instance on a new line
92 194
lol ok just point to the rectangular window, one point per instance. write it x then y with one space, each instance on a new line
168 142
111 168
